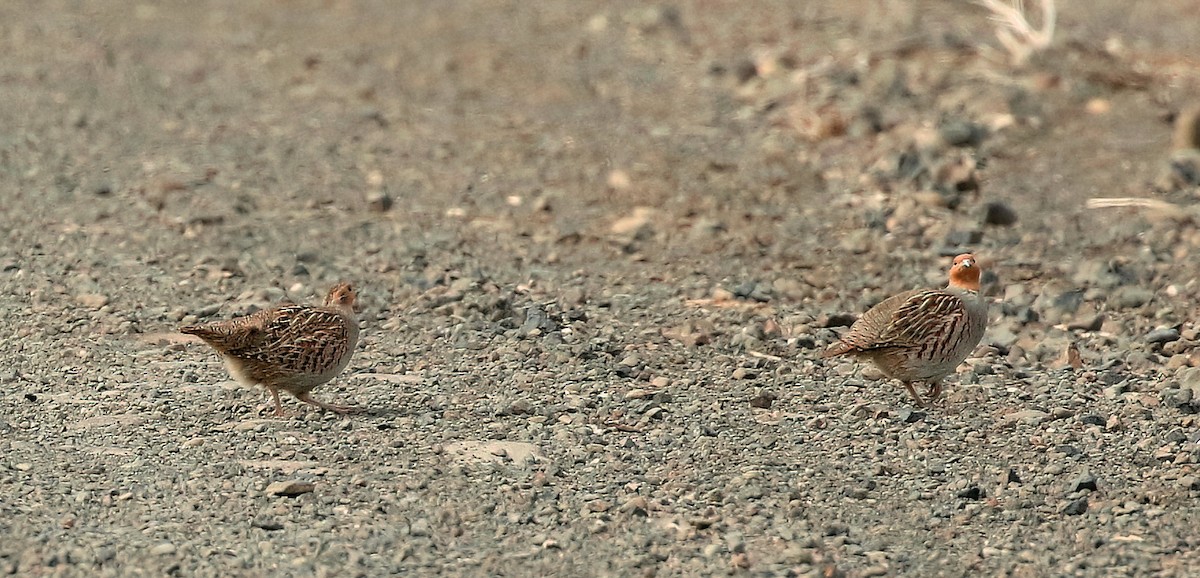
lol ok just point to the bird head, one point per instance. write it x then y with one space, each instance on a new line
342 296
965 272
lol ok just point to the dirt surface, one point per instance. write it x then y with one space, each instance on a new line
599 247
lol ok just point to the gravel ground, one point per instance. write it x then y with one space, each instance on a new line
599 247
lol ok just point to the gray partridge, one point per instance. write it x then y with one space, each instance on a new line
291 347
922 335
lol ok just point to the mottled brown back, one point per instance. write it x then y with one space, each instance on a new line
288 340
920 319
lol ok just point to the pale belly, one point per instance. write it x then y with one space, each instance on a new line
295 383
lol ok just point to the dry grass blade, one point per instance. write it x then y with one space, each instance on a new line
1155 207
1141 203
1014 30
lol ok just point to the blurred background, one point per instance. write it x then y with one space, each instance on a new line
600 214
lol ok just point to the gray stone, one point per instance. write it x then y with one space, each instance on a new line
1162 335
1075 507
290 488
1085 481
1131 296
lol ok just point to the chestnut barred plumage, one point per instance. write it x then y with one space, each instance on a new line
291 347
922 335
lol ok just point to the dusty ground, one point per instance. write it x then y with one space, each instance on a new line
619 234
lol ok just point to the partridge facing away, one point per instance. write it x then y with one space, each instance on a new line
291 347
922 335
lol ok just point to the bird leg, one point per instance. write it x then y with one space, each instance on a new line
338 409
278 406
935 391
914 395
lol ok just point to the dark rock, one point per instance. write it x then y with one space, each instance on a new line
999 213
1180 398
517 407
906 415
537 318
744 70
1067 450
1164 335
962 133
1092 324
805 342
760 294
909 165
1012 477
971 493
868 121
1092 419
752 290
836 320
1085 481
1183 170
379 201
763 400
268 525
1076 507
1026 315
837 529
744 289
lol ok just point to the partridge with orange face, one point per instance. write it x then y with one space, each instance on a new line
922 335
291 347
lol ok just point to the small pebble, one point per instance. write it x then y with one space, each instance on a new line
163 549
290 488
379 201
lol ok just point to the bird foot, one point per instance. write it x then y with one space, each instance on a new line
272 411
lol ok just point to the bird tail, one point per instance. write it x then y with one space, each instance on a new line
839 348
202 331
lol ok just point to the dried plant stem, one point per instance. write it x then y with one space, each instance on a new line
1015 32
